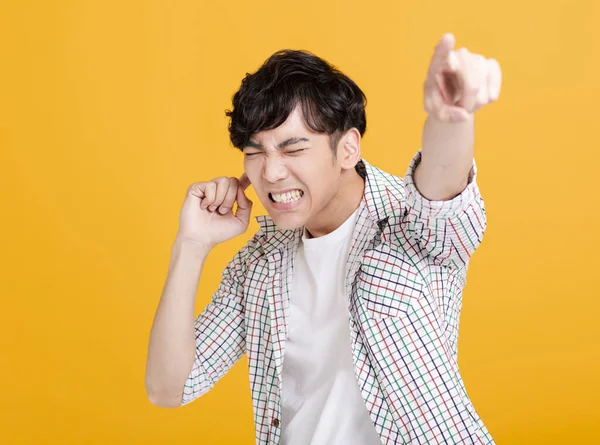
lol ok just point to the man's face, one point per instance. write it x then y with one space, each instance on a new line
293 171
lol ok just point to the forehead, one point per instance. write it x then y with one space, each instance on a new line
294 126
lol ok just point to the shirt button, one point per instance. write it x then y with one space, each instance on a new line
275 423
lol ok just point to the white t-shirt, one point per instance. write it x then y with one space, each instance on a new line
321 400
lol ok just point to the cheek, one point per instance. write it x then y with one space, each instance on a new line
322 190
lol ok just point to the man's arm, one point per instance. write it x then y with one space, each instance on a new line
446 211
458 83
449 230
171 348
446 159
178 353
220 330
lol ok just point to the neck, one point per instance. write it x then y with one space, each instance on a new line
344 203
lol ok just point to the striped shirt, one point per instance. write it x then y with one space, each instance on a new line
404 279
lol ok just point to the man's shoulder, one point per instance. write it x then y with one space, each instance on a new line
385 194
379 180
251 250
267 239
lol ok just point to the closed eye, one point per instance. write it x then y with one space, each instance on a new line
288 152
291 152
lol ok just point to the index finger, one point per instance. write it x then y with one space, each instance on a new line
244 181
443 54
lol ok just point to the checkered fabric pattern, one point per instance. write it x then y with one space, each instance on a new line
404 278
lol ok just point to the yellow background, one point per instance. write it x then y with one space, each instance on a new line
110 109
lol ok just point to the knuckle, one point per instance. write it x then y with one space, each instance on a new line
209 189
471 88
428 105
195 186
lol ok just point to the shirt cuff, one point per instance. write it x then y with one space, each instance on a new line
439 209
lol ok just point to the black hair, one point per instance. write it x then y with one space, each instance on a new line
330 101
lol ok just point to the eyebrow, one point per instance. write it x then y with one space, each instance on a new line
290 141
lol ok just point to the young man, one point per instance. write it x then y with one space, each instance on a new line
347 300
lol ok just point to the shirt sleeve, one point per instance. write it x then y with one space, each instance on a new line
220 330
451 230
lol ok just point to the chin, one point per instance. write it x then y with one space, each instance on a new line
287 222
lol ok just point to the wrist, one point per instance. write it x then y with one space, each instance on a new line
190 247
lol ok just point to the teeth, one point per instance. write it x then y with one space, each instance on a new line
288 197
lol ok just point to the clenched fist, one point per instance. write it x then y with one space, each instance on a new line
207 213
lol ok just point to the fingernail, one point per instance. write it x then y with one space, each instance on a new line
212 208
223 210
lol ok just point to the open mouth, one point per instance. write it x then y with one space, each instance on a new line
286 198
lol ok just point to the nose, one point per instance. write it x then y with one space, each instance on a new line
274 169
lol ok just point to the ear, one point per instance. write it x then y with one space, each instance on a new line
349 149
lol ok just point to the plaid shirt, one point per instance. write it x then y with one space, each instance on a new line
405 275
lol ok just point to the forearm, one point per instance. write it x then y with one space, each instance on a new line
172 340
446 159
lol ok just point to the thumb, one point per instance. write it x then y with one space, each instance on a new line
244 181
244 207
454 114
